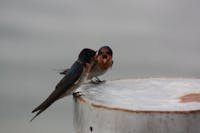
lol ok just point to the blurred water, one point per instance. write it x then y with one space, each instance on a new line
149 39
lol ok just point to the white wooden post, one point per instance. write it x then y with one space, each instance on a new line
154 105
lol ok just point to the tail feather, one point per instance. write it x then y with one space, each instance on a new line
36 109
36 115
42 107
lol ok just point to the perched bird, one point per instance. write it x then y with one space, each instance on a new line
103 61
71 81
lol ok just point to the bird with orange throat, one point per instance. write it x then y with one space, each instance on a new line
103 62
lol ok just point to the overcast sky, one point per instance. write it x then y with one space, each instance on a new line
156 38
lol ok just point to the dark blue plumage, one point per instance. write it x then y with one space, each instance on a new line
73 78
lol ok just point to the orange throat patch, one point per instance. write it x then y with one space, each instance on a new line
105 64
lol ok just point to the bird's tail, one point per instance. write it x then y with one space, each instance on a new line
43 106
36 115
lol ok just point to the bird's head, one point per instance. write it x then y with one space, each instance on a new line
87 55
104 55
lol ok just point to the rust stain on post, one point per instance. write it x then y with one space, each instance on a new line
87 101
192 97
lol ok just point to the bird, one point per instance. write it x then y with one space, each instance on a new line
71 81
103 61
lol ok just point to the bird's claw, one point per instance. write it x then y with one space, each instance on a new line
77 94
97 81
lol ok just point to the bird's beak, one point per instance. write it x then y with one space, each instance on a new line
104 60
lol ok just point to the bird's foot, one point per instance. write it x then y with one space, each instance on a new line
77 94
97 81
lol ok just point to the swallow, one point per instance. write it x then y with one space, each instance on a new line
71 81
103 61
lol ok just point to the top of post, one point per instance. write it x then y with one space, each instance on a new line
179 95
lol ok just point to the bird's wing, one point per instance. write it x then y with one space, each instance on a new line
112 63
72 75
65 84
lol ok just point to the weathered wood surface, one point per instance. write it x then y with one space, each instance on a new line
154 105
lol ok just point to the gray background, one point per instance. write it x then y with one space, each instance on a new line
156 38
